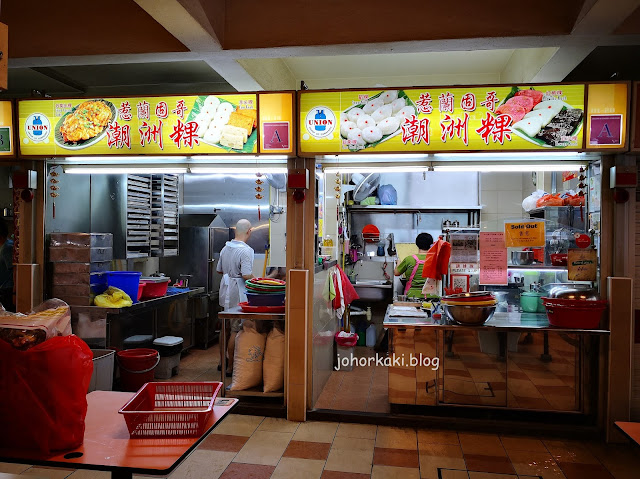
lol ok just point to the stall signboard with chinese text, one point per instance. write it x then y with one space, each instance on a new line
524 234
583 264
176 125
493 259
490 118
6 129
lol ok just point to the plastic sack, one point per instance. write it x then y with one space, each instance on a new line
273 366
24 331
113 298
248 357
530 202
388 195
370 201
574 200
346 340
44 400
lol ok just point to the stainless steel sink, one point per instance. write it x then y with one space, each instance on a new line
373 290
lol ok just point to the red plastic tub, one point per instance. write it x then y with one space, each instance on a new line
136 367
140 289
570 313
154 288
171 409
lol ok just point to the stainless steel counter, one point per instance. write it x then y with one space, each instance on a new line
510 321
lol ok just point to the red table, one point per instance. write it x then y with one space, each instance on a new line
630 429
107 446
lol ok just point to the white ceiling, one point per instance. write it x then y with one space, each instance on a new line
426 68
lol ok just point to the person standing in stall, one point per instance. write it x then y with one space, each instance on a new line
236 266
6 268
412 265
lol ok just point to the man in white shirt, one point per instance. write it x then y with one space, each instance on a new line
236 266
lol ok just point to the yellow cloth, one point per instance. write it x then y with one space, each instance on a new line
113 298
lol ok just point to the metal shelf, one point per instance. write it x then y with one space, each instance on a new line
395 208
164 211
540 267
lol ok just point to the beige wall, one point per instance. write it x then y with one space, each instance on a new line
501 196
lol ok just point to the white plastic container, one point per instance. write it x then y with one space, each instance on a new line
371 335
345 352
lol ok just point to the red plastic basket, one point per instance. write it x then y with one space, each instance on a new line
170 409
569 313
247 308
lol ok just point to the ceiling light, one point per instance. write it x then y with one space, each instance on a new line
118 170
243 159
511 167
377 169
355 158
239 170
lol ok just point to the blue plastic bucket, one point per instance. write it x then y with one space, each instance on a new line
127 281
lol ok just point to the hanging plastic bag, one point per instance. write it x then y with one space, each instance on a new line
113 298
550 200
388 195
44 400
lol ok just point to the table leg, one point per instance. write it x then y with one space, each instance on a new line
223 358
121 475
545 357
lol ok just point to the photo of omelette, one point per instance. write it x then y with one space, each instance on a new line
85 122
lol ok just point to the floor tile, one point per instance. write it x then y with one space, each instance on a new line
264 447
435 436
570 451
396 438
276 424
294 468
429 465
48 472
307 450
237 425
388 472
316 431
358 431
487 463
490 475
621 460
576 470
453 474
86 474
343 475
209 464
481 444
395 457
517 443
535 464
350 455
223 442
9 468
246 471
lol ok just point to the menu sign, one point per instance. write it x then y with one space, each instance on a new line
523 234
583 264
493 259
198 124
526 117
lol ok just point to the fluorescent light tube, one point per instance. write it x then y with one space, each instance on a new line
88 170
238 170
243 159
377 169
511 167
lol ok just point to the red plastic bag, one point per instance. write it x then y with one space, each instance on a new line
43 394
574 200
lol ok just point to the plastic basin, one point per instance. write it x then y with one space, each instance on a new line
154 288
257 299
127 281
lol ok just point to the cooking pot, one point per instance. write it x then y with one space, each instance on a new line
530 302
570 291
521 257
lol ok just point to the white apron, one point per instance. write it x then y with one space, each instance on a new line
232 292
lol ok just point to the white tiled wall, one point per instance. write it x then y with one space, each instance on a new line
501 196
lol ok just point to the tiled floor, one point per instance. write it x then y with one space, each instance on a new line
256 447
199 365
363 389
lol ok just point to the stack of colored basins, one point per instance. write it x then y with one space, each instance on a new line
470 309
265 292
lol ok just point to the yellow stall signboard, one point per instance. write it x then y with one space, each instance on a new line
524 234
176 125
6 129
488 118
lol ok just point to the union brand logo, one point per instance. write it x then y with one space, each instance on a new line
37 127
320 122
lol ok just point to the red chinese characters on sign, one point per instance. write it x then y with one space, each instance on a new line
424 103
457 127
144 110
468 102
118 135
162 110
125 111
180 109
445 101
185 134
490 101
496 128
151 133
415 130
